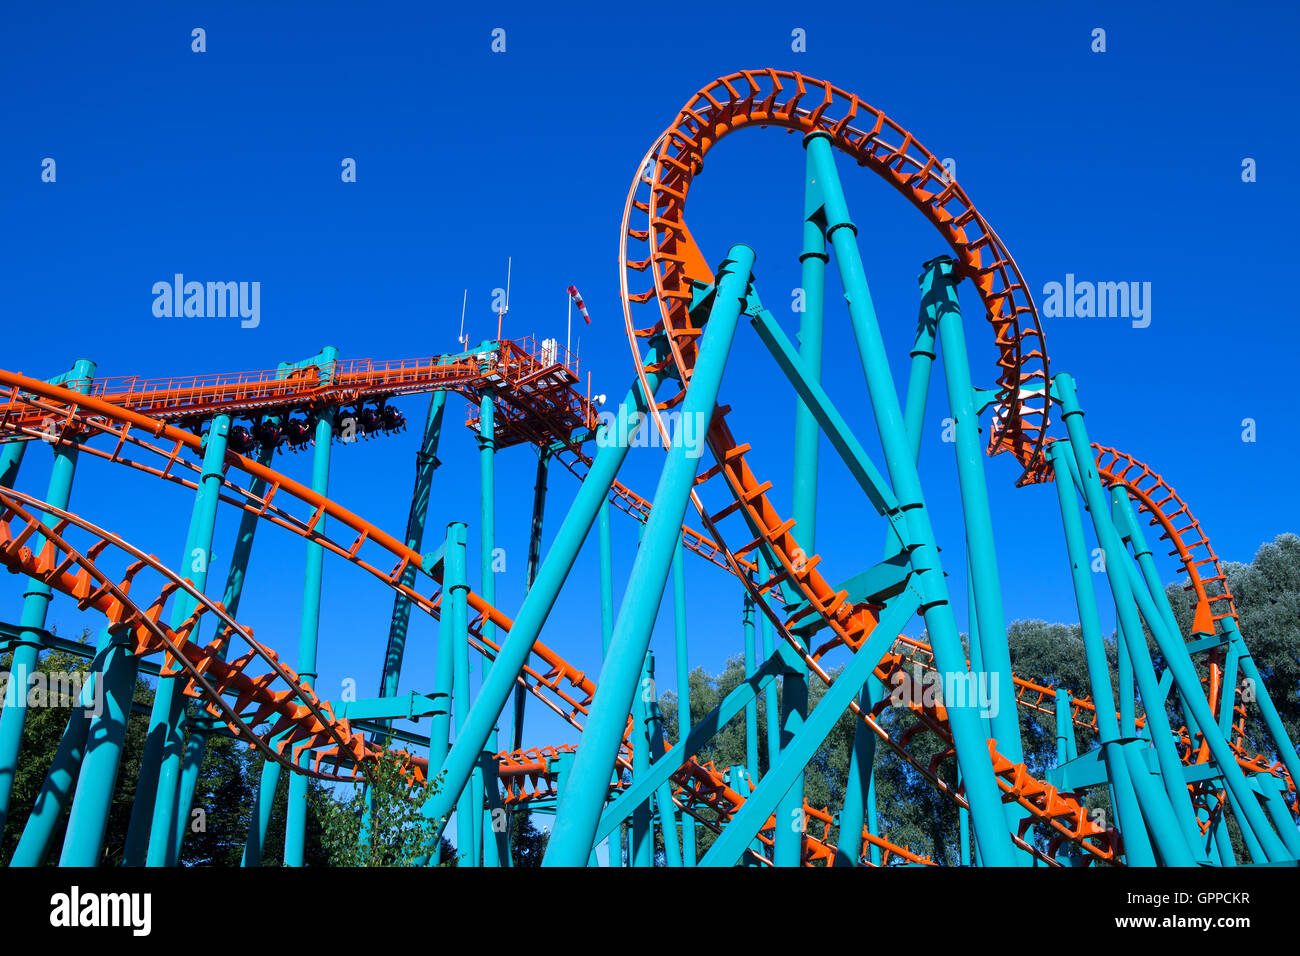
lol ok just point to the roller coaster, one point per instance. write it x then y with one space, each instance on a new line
1178 751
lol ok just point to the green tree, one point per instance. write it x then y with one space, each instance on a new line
397 832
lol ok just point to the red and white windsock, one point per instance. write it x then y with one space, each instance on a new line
577 300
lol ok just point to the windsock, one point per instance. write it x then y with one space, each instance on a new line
577 300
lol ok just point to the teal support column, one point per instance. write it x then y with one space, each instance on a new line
939 295
196 746
1124 674
1154 606
683 683
295 827
426 462
607 632
613 440
1286 750
1125 790
663 793
455 584
1128 599
771 705
751 665
1228 688
106 733
688 746
860 788
57 787
487 446
788 842
156 796
1066 745
263 804
36 602
11 459
763 801
642 834
534 560
579 809
606 580
982 791
440 722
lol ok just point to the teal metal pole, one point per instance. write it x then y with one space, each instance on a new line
426 462
1286 751
692 742
1128 600
642 834
455 583
982 791
613 441
939 294
579 809
534 560
1114 749
860 788
1148 595
683 683
196 746
84 840
487 576
770 703
664 793
11 458
788 841
763 801
295 826
166 721
36 603
57 787
261 818
751 709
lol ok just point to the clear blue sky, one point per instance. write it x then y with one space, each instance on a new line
225 165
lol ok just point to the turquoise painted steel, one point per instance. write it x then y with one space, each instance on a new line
11 459
36 603
534 561
751 664
763 801
699 735
61 779
455 586
683 668
426 463
578 813
787 848
488 586
1116 746
982 789
167 718
1129 600
496 689
1179 663
117 668
196 746
295 827
939 295
255 846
